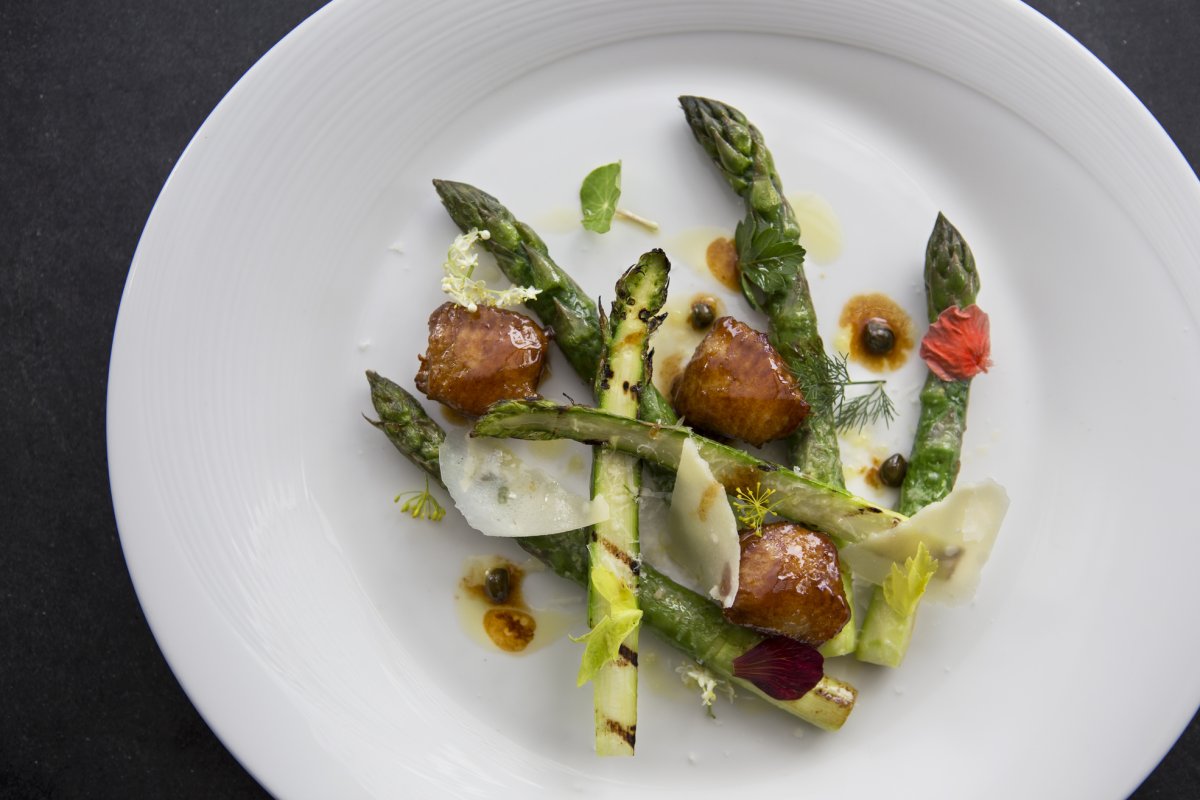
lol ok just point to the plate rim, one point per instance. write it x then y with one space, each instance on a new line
149 591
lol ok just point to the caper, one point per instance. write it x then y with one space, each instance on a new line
893 470
702 315
496 584
878 336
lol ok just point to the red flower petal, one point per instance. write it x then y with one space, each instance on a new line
783 668
958 346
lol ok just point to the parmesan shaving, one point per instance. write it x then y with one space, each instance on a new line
703 534
500 495
958 531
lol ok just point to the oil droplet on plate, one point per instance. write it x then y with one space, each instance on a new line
691 246
676 338
820 228
558 220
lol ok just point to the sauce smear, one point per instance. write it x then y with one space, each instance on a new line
722 259
507 623
861 309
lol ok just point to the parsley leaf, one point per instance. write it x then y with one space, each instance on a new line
768 261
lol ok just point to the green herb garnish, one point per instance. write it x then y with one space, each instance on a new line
768 260
598 198
825 379
421 503
753 506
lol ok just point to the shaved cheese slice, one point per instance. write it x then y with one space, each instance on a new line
958 531
703 534
501 495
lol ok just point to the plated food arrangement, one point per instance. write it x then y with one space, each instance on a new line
784 568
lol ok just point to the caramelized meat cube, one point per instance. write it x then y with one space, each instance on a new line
737 386
475 358
790 583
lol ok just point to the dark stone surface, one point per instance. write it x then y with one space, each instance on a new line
97 101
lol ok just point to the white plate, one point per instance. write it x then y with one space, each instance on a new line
315 628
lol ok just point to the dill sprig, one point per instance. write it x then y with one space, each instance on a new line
825 380
753 506
421 503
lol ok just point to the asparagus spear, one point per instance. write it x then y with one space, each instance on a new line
614 551
562 305
950 280
682 617
772 269
797 497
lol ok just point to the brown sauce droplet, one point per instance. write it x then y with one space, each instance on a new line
509 624
871 474
863 307
722 260
668 371
510 628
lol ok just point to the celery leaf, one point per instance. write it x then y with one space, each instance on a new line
902 589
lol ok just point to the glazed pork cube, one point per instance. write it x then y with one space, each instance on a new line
475 358
790 583
737 386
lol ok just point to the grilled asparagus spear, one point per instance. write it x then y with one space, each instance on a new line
950 280
614 553
797 497
682 617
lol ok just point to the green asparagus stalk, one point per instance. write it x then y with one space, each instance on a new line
680 616
796 497
773 279
614 551
950 280
561 305
772 265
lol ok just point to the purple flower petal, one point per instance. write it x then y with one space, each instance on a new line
783 668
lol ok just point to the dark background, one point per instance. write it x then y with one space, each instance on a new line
97 102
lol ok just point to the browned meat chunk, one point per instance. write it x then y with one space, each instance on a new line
790 583
737 386
477 358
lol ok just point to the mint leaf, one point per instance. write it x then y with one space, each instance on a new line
598 197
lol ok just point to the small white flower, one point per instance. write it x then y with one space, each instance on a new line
705 681
461 260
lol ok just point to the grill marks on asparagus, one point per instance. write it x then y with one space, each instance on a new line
627 734
619 554
614 547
